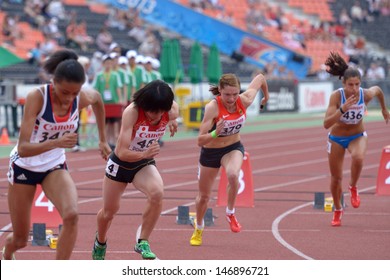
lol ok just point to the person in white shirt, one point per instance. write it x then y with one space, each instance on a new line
49 123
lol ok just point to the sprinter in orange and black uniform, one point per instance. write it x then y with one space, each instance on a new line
219 139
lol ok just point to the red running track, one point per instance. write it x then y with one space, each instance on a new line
288 167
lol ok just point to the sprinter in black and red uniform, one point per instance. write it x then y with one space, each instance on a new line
143 123
219 139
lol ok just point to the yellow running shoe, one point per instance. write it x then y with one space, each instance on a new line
196 238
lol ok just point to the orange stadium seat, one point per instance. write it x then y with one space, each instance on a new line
75 2
98 8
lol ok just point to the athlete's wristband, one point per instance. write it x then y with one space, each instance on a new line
341 110
214 134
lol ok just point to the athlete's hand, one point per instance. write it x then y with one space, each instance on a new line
172 127
105 150
220 126
68 140
349 102
153 150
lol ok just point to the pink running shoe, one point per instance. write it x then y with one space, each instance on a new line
234 224
337 214
355 199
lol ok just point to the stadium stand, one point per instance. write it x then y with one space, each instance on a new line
304 16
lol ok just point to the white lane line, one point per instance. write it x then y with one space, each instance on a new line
279 238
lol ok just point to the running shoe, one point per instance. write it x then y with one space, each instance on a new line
355 198
2 257
143 248
196 238
337 214
98 251
234 224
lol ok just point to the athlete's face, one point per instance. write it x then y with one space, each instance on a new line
66 91
351 86
229 95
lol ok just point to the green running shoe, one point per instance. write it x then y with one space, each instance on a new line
143 248
98 251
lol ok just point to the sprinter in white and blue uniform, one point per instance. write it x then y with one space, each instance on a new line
50 120
344 119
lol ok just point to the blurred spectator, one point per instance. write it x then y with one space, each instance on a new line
360 44
77 33
344 18
10 29
116 18
104 40
214 4
135 69
156 75
293 39
50 29
359 14
322 74
96 65
148 69
55 9
82 37
385 8
86 63
35 55
375 71
123 76
108 83
137 32
33 10
150 45
374 7
124 65
271 70
197 5
116 48
48 46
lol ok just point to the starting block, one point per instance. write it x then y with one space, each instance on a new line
53 242
209 218
319 200
328 205
183 215
43 236
39 235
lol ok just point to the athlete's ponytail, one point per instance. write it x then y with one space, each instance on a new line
63 65
338 67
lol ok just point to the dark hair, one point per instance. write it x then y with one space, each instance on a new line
63 65
225 80
154 96
338 67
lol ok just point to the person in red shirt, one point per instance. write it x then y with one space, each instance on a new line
219 139
143 123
